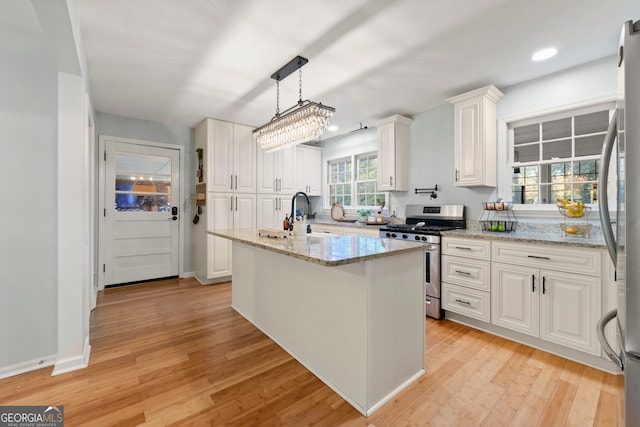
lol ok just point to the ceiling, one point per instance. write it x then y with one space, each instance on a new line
177 62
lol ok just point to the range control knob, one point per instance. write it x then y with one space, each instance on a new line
404 236
418 238
388 234
393 235
424 238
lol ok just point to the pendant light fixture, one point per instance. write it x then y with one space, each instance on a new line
303 122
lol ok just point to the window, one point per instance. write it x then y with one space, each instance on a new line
359 190
340 182
558 156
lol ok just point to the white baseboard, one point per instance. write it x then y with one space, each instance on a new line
29 365
188 274
213 281
74 363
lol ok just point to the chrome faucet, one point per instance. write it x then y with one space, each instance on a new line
293 209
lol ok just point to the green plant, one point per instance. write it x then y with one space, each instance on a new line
364 212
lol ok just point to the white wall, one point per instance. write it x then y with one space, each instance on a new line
431 151
28 188
125 127
592 81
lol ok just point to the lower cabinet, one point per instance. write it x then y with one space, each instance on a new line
465 274
543 300
213 254
466 301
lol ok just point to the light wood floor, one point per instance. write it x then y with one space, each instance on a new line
175 353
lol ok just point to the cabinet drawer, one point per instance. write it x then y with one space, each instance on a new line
559 258
465 301
471 248
466 272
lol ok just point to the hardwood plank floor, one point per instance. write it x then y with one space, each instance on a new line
175 353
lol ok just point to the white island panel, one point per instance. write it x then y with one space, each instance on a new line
358 326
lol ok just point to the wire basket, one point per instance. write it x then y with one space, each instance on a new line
500 226
580 230
571 214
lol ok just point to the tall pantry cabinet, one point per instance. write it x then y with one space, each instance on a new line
229 175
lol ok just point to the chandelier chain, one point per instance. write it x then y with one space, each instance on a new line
277 98
300 86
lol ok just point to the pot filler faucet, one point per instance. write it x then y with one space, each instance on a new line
293 209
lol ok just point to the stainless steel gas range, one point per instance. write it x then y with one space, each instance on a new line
424 224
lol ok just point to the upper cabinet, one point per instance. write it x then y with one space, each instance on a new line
309 170
229 154
276 172
476 146
393 153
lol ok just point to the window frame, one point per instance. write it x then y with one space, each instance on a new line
506 148
353 158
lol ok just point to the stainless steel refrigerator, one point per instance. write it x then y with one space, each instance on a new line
623 143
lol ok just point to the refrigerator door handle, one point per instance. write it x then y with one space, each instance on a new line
602 323
603 198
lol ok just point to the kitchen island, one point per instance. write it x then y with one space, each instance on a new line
349 308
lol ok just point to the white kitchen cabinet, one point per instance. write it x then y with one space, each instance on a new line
549 292
393 153
271 210
465 275
475 139
276 171
229 153
308 168
222 211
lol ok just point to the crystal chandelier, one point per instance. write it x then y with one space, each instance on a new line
303 122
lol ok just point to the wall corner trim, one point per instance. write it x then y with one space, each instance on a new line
74 363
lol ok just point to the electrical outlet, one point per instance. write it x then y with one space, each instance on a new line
393 210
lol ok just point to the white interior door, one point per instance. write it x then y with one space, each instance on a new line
141 238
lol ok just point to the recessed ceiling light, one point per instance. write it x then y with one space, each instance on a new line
543 54
332 128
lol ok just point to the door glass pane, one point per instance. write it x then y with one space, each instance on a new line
143 183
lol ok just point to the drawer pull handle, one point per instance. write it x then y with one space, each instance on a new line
461 301
538 257
463 248
466 273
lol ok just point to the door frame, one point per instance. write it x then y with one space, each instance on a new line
103 139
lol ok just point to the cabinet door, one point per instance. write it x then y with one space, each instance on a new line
219 155
314 171
386 157
244 159
308 170
219 215
514 298
266 211
266 171
570 309
286 168
244 214
469 143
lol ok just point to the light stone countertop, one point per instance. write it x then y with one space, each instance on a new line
533 233
321 249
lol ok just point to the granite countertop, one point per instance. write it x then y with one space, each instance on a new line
534 233
323 249
358 224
